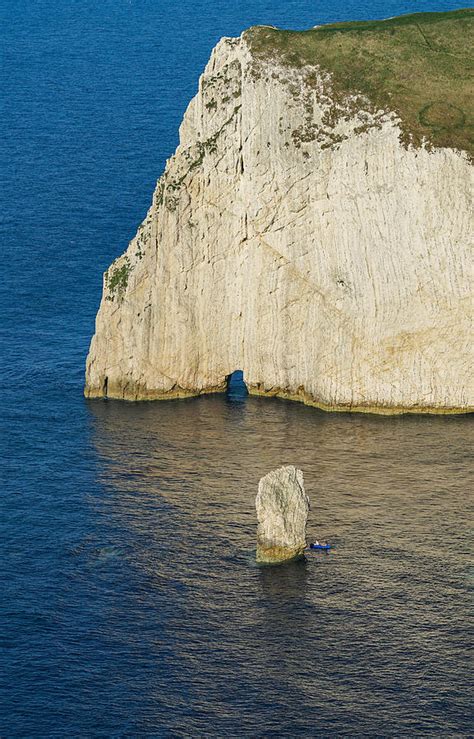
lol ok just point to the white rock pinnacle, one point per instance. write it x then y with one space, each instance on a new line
282 510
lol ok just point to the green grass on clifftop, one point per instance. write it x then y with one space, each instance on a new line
419 66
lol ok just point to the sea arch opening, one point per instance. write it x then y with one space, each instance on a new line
236 387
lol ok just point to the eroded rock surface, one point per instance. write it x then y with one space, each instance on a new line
310 248
282 510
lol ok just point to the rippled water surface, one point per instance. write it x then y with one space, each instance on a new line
131 604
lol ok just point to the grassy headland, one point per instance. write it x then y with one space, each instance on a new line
419 66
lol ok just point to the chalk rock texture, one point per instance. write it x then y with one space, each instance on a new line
325 259
282 510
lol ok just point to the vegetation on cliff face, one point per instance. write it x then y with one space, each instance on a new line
418 66
117 281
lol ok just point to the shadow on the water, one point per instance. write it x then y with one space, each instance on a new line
285 582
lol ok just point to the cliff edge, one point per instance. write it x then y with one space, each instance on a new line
312 228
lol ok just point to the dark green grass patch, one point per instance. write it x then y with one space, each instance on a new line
419 66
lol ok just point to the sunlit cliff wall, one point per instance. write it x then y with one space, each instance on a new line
296 235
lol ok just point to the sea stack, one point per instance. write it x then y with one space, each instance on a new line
282 511
313 228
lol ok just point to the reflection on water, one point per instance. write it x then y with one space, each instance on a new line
284 584
366 640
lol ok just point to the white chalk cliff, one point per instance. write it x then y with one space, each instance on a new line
324 258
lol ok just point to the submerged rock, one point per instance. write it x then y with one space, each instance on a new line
282 510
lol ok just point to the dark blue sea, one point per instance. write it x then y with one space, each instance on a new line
130 602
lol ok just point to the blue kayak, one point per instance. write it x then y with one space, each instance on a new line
325 547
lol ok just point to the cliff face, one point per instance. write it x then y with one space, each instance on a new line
298 235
